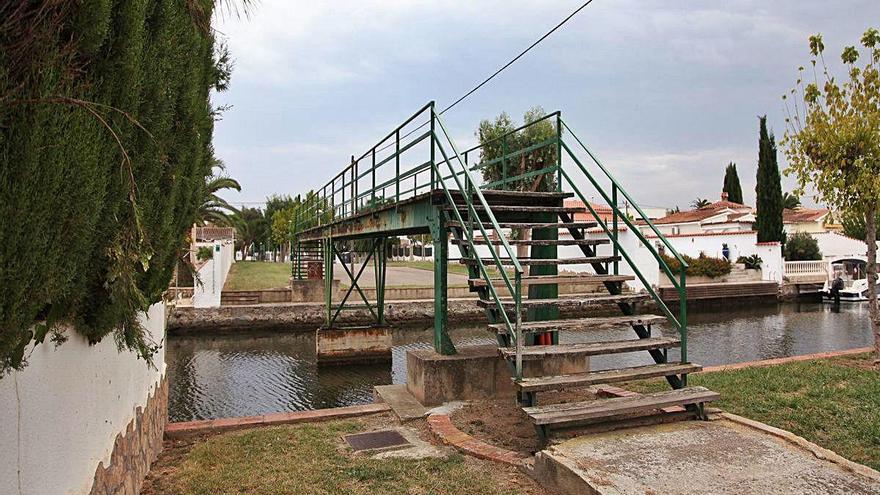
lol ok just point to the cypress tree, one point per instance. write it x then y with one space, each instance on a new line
768 189
731 184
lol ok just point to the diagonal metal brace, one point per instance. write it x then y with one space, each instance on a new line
354 284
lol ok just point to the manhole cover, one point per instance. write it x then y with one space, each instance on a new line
376 440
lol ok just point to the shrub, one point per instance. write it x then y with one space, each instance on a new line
705 266
105 144
802 247
752 262
205 253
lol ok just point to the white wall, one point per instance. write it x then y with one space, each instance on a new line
213 274
59 417
834 245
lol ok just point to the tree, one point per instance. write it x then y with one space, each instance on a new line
790 201
768 189
252 229
802 247
833 145
731 184
497 139
700 203
854 225
213 208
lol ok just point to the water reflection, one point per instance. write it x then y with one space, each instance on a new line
235 375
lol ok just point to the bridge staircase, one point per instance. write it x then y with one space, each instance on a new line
517 235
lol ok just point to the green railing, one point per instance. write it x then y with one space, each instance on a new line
387 174
392 175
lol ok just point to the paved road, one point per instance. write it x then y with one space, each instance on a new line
396 276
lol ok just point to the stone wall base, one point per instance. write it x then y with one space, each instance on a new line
476 372
136 449
367 344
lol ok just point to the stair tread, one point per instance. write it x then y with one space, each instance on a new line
528 225
569 301
559 382
606 408
595 348
545 261
558 279
537 242
523 209
581 323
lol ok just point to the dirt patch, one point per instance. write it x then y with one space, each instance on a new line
502 422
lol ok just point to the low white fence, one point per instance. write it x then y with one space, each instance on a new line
806 270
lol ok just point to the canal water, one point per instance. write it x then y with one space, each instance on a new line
242 375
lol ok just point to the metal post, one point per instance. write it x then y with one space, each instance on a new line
397 164
328 280
518 328
558 151
682 319
614 224
433 178
442 343
353 185
503 162
373 189
380 262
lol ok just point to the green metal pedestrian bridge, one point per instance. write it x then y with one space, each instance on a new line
505 215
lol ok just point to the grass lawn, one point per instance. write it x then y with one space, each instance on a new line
256 275
834 402
312 459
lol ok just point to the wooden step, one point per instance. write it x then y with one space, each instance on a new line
577 324
561 382
536 242
584 278
593 348
520 225
573 413
501 194
521 209
569 302
544 261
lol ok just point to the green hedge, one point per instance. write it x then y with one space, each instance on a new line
90 233
702 265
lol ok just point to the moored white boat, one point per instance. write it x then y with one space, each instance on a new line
852 273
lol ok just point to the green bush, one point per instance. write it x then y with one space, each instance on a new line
105 143
702 265
802 247
204 253
752 262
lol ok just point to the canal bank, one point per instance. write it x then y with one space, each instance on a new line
215 375
306 317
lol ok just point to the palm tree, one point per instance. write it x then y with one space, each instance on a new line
214 209
700 203
790 201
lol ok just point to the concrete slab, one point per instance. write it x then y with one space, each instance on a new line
367 344
719 457
404 405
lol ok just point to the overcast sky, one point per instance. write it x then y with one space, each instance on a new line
666 93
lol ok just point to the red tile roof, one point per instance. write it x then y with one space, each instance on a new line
799 215
702 213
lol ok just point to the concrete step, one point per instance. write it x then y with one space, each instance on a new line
569 302
578 413
585 278
593 348
578 324
544 261
562 382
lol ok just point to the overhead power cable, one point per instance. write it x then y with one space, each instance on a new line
499 71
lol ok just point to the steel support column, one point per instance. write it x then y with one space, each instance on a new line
442 343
